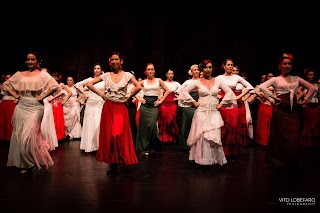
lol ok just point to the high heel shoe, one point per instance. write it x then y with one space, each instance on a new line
112 169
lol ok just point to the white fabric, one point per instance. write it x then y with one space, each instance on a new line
48 129
281 86
172 86
185 84
27 147
249 119
232 81
71 113
151 89
91 119
315 97
116 91
205 133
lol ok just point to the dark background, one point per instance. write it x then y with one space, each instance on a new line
173 35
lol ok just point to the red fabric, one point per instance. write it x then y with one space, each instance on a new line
137 113
311 128
230 133
6 112
167 120
263 124
58 120
115 138
243 131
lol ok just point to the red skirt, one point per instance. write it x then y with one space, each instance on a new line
311 125
263 124
6 112
115 138
58 119
167 120
243 131
234 131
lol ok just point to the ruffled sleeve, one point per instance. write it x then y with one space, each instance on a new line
311 89
265 85
245 83
229 96
41 82
12 82
184 98
81 84
51 83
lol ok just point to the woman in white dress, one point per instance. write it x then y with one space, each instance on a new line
48 130
92 112
30 87
205 134
71 112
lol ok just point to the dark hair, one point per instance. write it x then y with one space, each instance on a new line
306 71
243 74
38 56
115 53
225 62
285 56
56 74
204 63
99 64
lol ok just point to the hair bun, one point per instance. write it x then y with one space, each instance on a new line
286 55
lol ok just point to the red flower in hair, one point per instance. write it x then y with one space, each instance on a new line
286 55
145 73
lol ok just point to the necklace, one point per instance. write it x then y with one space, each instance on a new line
117 75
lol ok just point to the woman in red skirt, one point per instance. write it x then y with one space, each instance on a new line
311 113
169 130
115 138
264 117
57 101
285 126
235 131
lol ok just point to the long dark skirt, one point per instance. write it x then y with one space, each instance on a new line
187 115
285 132
132 110
148 133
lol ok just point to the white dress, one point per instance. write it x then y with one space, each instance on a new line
27 147
48 129
71 112
92 116
205 133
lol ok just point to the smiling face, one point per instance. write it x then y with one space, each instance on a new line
115 62
31 61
